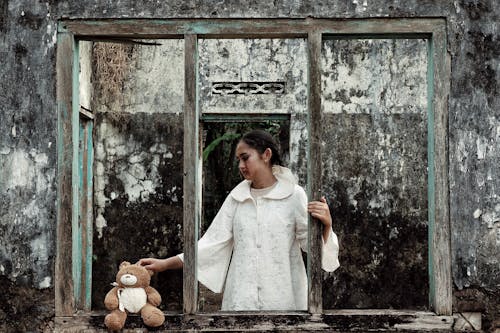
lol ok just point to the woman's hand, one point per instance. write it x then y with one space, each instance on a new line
160 265
153 264
321 211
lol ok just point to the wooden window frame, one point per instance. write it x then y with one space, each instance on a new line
74 149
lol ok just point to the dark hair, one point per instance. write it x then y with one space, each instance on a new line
261 140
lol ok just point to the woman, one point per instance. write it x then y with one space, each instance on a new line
252 248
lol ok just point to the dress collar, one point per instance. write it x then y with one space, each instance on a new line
283 189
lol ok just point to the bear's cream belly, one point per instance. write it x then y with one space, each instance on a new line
132 299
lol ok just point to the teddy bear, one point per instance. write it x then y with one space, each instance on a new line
132 294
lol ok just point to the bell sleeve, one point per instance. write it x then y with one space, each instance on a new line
215 248
330 248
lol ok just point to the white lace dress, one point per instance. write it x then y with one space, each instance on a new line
252 248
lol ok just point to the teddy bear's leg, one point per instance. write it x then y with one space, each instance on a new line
152 316
115 320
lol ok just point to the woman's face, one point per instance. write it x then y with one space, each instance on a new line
251 163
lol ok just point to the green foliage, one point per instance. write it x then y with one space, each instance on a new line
216 142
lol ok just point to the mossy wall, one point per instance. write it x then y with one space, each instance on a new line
28 135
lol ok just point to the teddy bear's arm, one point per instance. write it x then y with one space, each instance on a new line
111 299
153 296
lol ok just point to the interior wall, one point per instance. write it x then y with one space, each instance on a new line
138 144
374 101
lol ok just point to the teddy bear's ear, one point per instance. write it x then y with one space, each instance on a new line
124 264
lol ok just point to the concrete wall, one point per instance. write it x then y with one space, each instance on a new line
375 171
139 91
28 135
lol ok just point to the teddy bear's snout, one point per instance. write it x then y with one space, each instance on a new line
128 279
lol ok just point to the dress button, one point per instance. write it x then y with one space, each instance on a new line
258 245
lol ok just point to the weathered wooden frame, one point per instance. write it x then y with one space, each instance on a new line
72 287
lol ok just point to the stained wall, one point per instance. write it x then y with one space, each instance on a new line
28 136
138 152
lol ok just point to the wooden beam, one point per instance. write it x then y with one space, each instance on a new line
176 28
440 251
86 114
377 26
85 184
192 181
331 321
76 238
244 28
314 172
85 170
64 301
86 216
243 117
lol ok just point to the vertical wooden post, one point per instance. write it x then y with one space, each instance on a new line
86 218
191 183
314 172
82 82
64 300
76 229
439 218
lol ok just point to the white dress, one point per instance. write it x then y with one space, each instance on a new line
252 248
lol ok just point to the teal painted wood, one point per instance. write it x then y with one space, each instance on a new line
76 178
85 223
90 216
61 28
438 78
80 277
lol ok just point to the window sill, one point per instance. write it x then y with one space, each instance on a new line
330 320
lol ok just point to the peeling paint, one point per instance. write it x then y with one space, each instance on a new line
51 37
24 169
254 60
46 283
481 148
375 170
39 249
490 218
354 80
137 156
100 223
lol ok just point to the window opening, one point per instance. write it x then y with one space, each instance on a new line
137 101
374 104
220 175
242 86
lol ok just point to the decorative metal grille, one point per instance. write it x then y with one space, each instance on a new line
248 88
